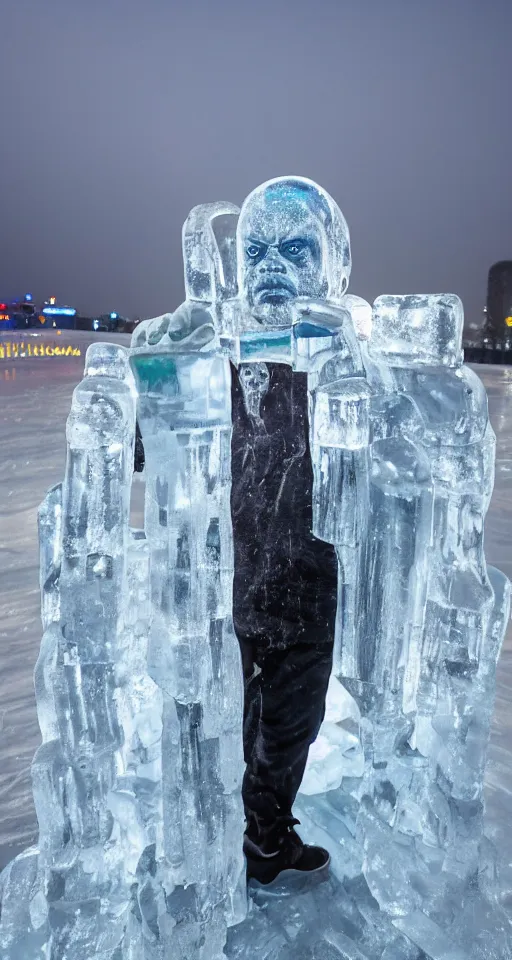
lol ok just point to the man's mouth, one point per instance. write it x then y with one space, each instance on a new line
274 291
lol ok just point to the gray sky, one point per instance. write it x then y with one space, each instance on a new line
118 116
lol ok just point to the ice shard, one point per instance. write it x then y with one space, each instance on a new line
139 682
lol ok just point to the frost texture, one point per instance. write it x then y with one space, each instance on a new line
138 682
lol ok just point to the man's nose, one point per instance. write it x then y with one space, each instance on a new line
272 263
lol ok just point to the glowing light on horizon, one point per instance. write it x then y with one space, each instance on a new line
59 311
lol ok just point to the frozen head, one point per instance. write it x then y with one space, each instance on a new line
293 241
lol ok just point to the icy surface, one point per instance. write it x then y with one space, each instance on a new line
138 682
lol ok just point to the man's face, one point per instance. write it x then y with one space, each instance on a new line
281 244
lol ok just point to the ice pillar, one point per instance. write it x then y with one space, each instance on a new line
79 897
185 420
430 799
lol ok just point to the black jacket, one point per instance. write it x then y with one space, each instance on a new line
285 585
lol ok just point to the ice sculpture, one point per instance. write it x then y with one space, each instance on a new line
137 783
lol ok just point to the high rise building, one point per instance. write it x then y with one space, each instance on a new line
499 299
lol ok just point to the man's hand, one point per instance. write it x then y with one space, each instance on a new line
325 318
332 316
321 318
188 330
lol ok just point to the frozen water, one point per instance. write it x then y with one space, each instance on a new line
138 682
336 752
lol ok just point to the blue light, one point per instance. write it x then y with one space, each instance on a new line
59 311
28 297
95 324
113 316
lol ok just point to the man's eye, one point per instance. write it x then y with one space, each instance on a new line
293 248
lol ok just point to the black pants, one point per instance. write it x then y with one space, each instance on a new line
284 708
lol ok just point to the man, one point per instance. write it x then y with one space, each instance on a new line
292 242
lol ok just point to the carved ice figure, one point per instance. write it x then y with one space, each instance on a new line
139 685
379 483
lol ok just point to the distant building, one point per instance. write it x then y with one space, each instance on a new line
61 317
499 300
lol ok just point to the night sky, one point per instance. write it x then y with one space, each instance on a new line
118 116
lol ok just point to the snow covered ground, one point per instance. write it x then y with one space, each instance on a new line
35 394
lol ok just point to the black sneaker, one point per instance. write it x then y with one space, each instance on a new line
291 859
